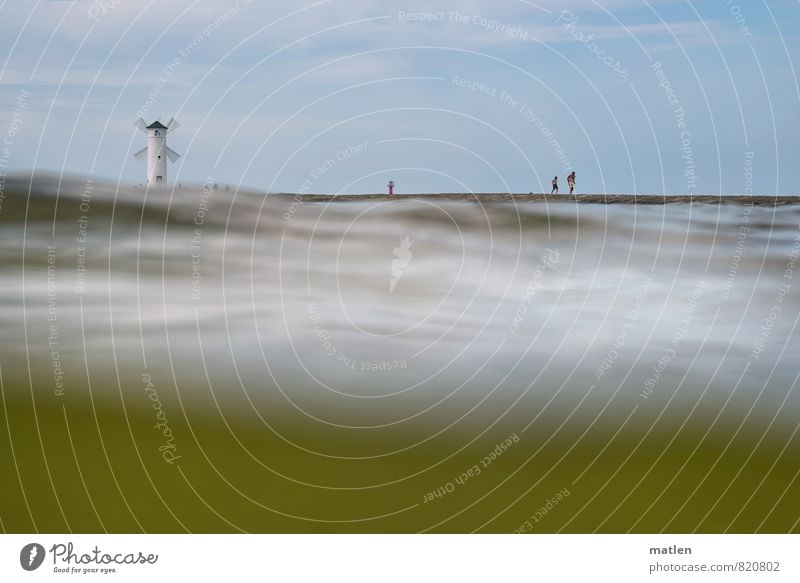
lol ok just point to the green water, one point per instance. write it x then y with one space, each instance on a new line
557 368
74 465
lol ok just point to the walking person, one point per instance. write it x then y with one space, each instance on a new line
555 185
571 182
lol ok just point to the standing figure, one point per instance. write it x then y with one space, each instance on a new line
391 187
571 182
555 185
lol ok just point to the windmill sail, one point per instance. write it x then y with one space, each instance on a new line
141 154
172 155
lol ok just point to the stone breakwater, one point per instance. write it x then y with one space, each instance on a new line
756 200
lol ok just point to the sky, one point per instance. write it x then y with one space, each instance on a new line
341 96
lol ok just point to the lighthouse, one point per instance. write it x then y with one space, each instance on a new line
156 150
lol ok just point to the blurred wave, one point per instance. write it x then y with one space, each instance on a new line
416 320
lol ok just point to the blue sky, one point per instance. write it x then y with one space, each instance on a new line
343 95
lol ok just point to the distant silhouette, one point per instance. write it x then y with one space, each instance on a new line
555 185
571 182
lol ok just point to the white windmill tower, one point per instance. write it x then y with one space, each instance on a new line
156 150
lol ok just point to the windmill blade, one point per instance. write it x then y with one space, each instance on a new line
141 154
172 125
172 155
141 124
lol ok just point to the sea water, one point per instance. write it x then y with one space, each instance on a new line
214 359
